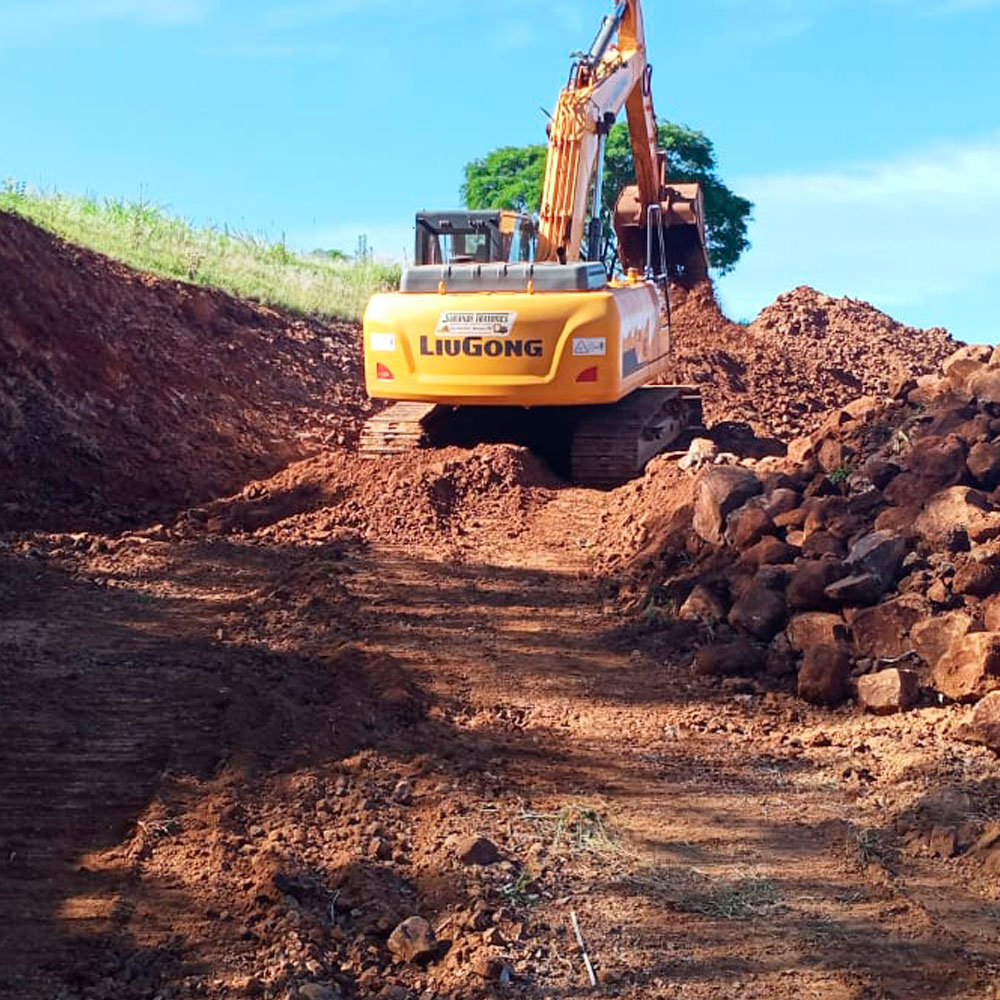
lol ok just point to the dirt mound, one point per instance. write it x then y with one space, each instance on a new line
424 496
802 356
121 393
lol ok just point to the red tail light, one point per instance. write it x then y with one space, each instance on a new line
383 374
588 375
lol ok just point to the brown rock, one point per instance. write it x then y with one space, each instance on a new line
807 589
492 968
781 500
702 605
975 430
880 472
883 632
769 551
910 490
958 510
931 389
985 385
729 659
801 449
976 578
931 638
822 543
834 454
971 668
816 628
898 519
984 464
719 491
984 726
938 458
991 613
413 940
747 526
860 588
476 851
791 519
820 486
760 611
824 675
888 691
965 362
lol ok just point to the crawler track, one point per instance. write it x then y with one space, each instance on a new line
596 446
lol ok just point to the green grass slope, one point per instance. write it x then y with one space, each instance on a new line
145 237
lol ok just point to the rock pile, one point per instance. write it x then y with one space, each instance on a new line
867 561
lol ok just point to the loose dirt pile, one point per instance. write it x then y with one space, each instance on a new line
866 563
425 497
802 356
125 394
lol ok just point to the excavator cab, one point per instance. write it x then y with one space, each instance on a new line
475 238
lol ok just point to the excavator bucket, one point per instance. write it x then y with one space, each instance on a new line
669 239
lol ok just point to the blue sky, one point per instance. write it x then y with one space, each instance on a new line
866 131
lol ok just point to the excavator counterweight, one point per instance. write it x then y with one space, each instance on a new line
502 310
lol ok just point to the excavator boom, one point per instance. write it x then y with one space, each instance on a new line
615 74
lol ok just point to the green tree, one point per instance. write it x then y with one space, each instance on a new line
512 178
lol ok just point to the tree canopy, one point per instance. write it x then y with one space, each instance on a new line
512 177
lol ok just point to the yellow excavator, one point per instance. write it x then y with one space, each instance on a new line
517 317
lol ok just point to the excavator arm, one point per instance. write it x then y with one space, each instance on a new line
614 74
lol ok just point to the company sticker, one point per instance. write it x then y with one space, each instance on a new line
383 342
476 324
590 347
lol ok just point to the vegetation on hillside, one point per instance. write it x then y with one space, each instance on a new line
146 237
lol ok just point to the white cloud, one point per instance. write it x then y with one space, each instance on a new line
904 233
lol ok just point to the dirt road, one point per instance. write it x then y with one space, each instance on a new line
233 761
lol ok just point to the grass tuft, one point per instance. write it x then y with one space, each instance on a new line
144 236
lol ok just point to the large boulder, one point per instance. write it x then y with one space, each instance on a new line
888 691
769 551
971 668
730 659
965 362
958 510
984 385
984 464
719 491
883 632
817 628
931 638
760 611
824 675
747 525
807 588
938 457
